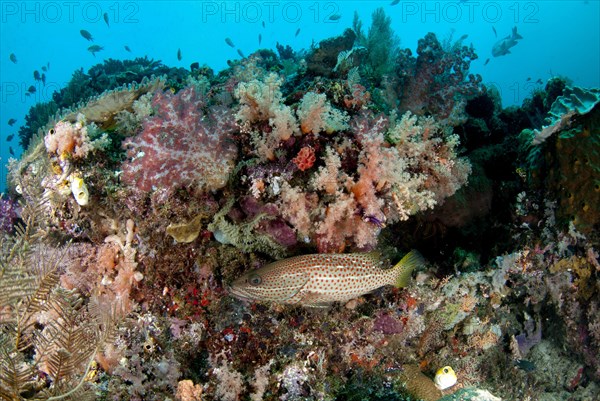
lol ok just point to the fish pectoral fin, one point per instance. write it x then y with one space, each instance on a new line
293 285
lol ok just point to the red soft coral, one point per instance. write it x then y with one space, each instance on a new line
181 145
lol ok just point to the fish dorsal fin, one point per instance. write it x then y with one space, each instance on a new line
375 258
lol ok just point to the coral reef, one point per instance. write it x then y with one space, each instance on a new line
82 87
563 157
573 101
181 145
142 200
437 81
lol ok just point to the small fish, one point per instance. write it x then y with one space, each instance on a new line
297 33
463 37
486 62
393 3
44 79
179 54
86 35
11 151
44 68
10 137
229 42
48 65
12 122
37 76
263 24
31 89
503 46
106 19
95 49
127 48
259 39
495 33
320 279
13 58
445 378
539 81
335 17
528 79
240 53
525 365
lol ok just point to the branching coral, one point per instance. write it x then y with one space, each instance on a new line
261 102
390 183
382 45
317 115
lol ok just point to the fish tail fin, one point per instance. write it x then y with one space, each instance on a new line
405 267
515 35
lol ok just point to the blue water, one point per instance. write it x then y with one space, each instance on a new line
559 38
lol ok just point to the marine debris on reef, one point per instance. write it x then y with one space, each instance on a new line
146 191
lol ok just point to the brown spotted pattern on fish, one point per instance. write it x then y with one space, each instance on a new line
315 280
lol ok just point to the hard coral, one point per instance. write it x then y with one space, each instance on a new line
182 145
305 158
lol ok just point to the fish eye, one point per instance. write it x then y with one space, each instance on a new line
254 279
446 370
51 131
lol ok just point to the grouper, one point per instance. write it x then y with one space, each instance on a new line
320 279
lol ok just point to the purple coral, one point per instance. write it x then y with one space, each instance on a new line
531 337
8 214
387 324
182 144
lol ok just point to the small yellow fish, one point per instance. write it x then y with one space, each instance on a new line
320 279
445 378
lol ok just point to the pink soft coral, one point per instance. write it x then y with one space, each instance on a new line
182 145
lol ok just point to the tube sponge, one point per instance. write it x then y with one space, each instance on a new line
79 190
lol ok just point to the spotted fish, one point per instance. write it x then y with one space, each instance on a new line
320 279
